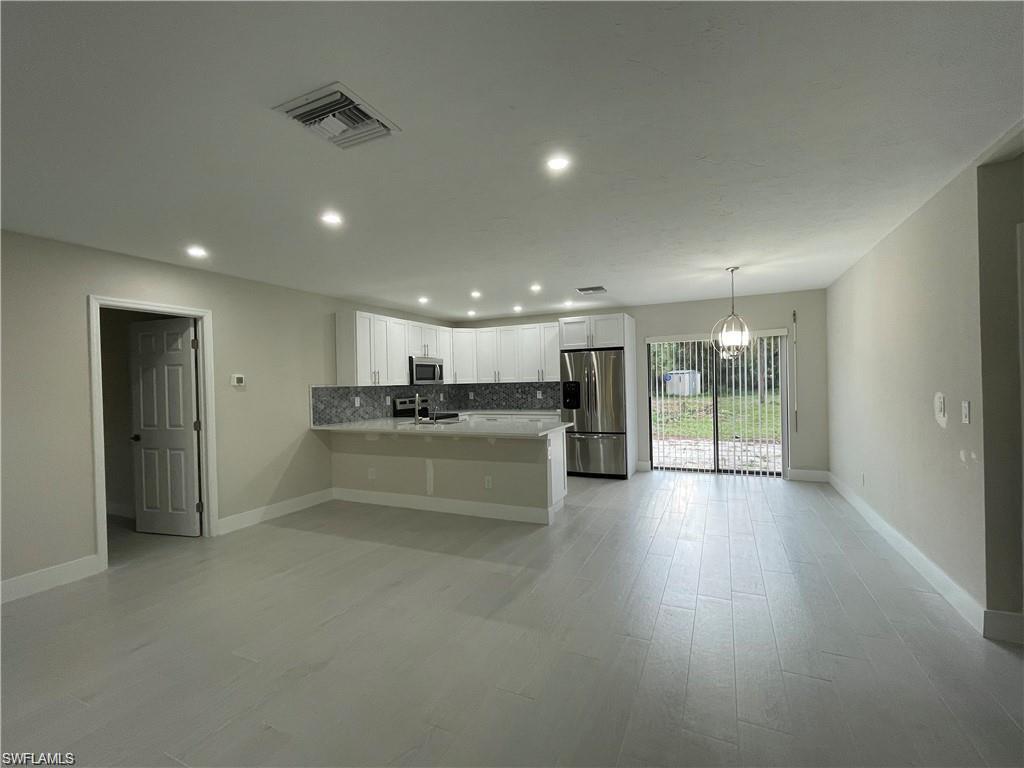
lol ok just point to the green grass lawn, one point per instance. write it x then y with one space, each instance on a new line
691 416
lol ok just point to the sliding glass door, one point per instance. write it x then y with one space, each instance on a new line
715 415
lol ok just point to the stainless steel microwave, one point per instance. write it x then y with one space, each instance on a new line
426 370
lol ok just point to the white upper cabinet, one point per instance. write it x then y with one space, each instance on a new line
398 361
574 332
380 349
529 343
463 356
486 354
365 372
608 330
529 353
444 351
430 348
414 339
592 331
551 359
508 354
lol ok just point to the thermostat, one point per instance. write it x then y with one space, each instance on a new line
237 380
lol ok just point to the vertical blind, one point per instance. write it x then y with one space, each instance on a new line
715 415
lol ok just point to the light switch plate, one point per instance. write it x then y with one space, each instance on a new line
965 411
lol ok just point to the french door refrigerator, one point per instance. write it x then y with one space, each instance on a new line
594 402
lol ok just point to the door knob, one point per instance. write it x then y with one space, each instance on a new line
136 438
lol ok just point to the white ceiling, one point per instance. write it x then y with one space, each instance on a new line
787 139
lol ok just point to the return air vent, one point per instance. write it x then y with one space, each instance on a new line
337 114
591 290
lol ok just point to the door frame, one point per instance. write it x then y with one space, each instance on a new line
204 401
784 394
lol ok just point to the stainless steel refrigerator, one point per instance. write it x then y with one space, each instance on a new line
594 401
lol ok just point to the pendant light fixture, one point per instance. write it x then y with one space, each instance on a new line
731 336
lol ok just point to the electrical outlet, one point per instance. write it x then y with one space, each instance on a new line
470 395
441 396
371 473
356 400
540 395
387 399
965 411
487 482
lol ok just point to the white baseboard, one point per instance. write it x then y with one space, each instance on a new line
540 515
809 475
269 512
48 578
956 595
1004 625
643 466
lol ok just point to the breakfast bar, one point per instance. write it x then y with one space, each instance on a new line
477 465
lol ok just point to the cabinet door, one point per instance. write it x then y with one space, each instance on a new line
444 351
398 361
508 354
430 340
414 339
530 352
379 346
607 331
464 355
574 332
486 354
550 356
364 349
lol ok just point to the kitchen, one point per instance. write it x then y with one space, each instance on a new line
478 421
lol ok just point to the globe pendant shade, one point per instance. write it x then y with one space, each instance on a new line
730 336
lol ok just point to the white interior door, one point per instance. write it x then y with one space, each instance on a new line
164 411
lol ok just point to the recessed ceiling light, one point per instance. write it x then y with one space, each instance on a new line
196 252
568 303
475 294
472 313
558 162
517 308
535 287
422 299
331 218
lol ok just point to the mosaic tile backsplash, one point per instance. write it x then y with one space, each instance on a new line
336 405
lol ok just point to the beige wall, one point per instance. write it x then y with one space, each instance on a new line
903 323
1000 210
283 340
809 445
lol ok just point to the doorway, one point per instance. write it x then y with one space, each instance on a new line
153 441
708 414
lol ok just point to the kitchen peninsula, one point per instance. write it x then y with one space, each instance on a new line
485 464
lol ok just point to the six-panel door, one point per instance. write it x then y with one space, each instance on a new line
166 457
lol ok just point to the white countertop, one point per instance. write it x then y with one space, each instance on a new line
463 428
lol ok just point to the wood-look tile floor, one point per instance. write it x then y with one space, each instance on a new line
674 619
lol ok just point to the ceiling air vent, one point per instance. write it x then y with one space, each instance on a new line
591 290
337 114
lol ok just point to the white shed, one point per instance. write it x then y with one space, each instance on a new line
682 383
